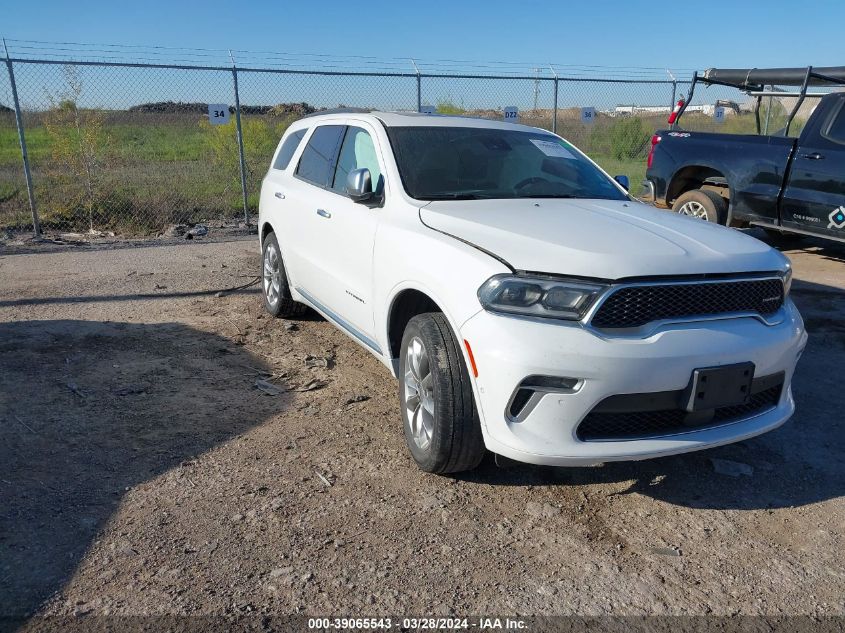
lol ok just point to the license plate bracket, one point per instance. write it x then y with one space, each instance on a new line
715 387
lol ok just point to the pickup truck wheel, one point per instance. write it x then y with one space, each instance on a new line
702 204
274 282
441 423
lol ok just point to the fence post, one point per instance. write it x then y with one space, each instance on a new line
554 108
240 141
419 86
674 94
36 225
768 110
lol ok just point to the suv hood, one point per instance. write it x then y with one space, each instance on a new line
605 239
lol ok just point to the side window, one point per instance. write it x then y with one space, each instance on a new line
836 129
358 151
288 149
317 162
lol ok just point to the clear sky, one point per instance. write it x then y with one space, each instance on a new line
680 35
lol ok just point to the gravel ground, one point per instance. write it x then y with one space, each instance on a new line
143 472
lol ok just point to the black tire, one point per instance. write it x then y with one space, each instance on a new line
455 443
713 205
283 306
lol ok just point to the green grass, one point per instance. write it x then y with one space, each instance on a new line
634 168
159 168
155 169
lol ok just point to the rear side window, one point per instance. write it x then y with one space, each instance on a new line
288 149
318 157
836 130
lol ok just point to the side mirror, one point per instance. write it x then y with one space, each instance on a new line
359 185
622 180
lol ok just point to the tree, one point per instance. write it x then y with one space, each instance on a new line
77 145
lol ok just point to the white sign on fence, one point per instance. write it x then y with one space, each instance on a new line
428 109
588 115
719 114
218 113
511 114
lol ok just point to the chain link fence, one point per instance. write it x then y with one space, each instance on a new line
129 147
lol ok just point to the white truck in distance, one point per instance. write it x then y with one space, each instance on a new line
525 302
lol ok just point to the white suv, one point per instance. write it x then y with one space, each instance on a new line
526 303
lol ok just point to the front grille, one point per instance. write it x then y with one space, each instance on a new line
644 424
634 306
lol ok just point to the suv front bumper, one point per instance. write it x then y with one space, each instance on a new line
507 350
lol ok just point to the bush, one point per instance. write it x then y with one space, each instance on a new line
628 137
445 106
260 137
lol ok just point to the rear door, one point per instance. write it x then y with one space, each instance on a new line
814 198
276 204
305 196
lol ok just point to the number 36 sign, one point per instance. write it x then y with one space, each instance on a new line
218 113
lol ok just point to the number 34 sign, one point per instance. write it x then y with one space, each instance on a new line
218 113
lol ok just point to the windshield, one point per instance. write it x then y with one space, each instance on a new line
455 163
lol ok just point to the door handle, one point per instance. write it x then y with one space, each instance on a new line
813 156
323 213
279 195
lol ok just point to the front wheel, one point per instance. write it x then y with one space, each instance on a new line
702 204
441 423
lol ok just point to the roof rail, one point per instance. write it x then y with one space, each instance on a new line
340 111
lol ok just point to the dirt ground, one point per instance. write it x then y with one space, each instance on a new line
143 472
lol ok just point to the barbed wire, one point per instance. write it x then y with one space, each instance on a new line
151 53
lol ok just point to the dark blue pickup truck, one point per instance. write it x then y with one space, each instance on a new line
783 184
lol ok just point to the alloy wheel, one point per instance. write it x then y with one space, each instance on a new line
272 274
693 209
419 393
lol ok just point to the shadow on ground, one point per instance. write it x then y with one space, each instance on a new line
830 250
91 409
798 464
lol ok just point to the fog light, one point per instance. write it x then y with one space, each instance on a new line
550 383
532 389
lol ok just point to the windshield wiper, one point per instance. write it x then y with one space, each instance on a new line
454 196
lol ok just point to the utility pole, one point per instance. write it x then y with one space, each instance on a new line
536 87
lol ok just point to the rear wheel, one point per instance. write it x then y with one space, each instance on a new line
441 423
702 204
274 282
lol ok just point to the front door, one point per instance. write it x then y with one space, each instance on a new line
814 198
349 230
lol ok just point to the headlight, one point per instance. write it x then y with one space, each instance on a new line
787 281
538 296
